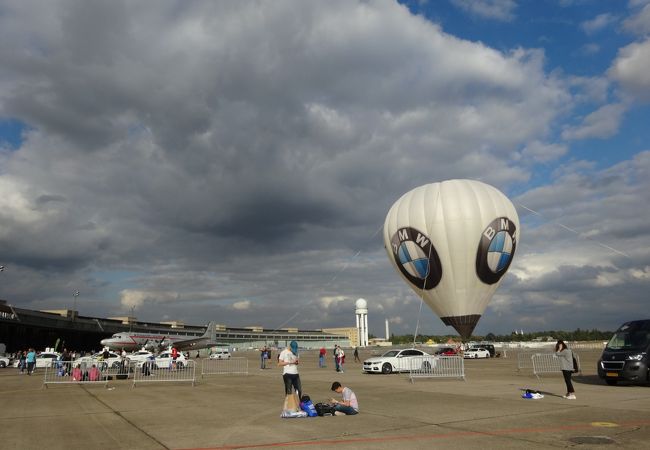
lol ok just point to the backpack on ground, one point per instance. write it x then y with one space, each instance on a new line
324 409
308 406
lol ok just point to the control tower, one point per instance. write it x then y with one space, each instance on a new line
361 312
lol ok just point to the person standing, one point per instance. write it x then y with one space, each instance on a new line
289 361
356 354
321 357
565 356
22 361
263 357
174 357
348 404
337 359
31 361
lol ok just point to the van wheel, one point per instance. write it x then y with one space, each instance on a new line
611 382
387 368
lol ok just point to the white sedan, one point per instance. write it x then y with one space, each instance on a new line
98 359
474 353
4 361
164 360
399 361
220 354
43 359
139 357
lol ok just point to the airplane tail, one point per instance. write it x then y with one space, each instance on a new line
211 332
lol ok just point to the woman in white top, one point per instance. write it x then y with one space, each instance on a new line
289 360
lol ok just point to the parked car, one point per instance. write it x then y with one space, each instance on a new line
139 357
446 351
220 354
398 361
164 360
4 362
474 353
626 356
43 359
98 359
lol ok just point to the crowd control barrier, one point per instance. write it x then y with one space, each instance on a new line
525 360
436 367
230 366
67 372
150 373
548 363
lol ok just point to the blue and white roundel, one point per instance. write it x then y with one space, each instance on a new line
416 258
496 249
413 260
499 252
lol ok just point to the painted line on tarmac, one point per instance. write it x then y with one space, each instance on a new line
125 419
504 432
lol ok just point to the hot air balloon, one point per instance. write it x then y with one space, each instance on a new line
452 242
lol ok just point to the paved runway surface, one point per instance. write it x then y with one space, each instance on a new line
228 411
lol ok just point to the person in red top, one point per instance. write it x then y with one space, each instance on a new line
174 357
321 357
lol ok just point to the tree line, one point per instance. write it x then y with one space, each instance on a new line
552 335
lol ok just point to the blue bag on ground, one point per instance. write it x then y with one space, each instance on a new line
307 406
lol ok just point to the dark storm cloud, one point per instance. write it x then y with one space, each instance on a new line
236 160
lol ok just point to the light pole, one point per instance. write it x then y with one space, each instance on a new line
74 310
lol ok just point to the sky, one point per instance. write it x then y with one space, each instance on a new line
235 161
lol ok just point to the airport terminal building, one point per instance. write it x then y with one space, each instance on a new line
23 328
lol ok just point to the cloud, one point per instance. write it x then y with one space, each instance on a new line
182 157
602 123
541 152
242 305
598 23
502 10
134 298
629 69
639 23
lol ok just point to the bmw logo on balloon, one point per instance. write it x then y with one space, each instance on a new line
416 258
495 250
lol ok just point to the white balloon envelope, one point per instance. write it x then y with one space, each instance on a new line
452 242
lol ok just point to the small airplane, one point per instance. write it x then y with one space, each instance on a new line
155 341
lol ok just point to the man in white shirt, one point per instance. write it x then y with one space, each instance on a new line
348 405
289 360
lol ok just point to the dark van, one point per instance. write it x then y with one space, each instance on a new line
625 357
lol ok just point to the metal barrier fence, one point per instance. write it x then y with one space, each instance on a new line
525 360
150 373
549 363
230 366
67 372
436 367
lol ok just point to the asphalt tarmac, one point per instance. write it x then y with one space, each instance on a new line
243 411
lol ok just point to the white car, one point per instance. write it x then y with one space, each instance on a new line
4 362
43 359
113 360
474 353
399 361
139 357
164 360
221 354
